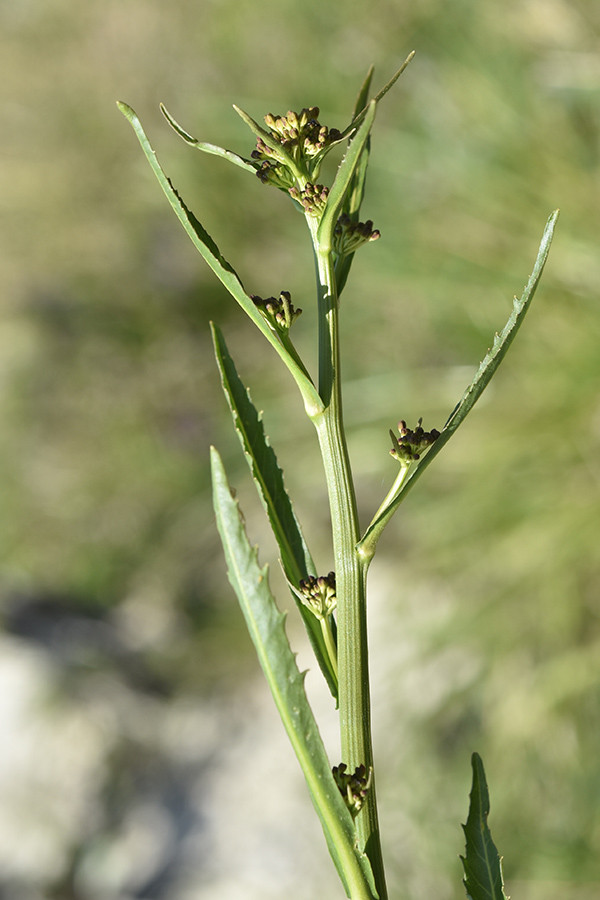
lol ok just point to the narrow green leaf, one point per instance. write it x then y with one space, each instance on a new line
222 269
266 626
356 189
363 94
351 206
343 180
484 374
482 864
295 556
503 340
358 117
394 78
208 148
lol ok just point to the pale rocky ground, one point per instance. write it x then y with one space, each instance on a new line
216 804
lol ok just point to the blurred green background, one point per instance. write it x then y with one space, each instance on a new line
140 755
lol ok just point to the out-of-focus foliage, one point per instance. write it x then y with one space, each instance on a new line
122 639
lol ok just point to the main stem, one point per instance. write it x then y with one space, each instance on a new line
350 570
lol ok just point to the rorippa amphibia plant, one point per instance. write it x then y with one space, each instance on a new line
288 155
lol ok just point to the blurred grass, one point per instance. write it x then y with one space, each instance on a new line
109 397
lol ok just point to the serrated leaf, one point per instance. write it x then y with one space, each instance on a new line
223 269
266 626
229 155
482 864
343 179
295 556
268 477
484 374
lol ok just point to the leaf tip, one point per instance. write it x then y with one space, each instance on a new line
125 109
550 226
176 126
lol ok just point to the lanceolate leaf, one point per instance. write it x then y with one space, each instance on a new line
295 556
483 377
266 626
482 864
222 269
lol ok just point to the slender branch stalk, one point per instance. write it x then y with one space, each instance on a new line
330 643
398 482
366 547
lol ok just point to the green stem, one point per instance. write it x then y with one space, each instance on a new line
350 570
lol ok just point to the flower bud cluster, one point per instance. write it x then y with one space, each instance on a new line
411 444
348 236
313 198
302 139
353 788
280 313
300 134
276 175
318 594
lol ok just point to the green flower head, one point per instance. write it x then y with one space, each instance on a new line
411 444
318 594
353 788
301 138
279 313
